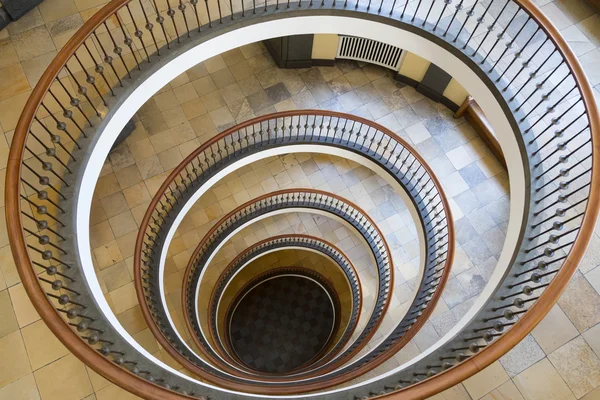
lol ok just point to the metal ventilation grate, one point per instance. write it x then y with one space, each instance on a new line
372 51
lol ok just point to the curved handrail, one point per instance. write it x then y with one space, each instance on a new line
376 144
283 242
151 390
311 199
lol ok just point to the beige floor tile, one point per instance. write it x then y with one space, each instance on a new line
15 363
115 276
98 382
114 204
215 64
7 265
23 389
32 43
24 310
593 395
578 365
7 315
64 379
107 255
10 110
132 320
592 337
122 224
457 392
112 392
128 176
554 331
101 234
542 382
12 81
52 10
123 298
41 344
485 381
593 278
581 303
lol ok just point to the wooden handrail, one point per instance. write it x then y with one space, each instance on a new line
150 390
333 380
475 116
233 262
550 296
279 271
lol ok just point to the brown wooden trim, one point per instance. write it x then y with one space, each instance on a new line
548 298
281 271
473 113
334 380
68 337
236 259
294 385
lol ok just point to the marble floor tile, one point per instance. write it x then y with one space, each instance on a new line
578 365
581 303
541 381
526 353
554 330
485 381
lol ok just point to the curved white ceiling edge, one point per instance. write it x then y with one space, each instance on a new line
294 26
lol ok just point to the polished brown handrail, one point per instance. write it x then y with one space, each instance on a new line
233 262
29 279
149 390
293 387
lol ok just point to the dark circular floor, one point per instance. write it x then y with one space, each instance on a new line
281 324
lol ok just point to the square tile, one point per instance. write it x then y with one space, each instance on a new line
22 389
541 381
24 310
581 303
64 379
526 353
32 43
12 81
15 363
7 315
41 344
578 365
554 330
485 381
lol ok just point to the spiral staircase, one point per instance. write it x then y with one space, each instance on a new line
337 332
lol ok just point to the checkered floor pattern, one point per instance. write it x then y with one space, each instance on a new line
281 324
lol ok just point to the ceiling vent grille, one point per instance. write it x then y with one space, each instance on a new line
371 51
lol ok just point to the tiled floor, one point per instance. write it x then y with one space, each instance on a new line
558 361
